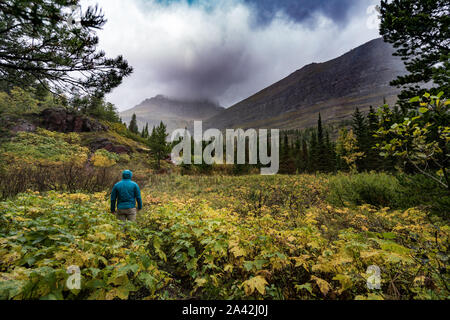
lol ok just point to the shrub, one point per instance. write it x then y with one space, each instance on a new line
104 159
124 158
419 190
377 189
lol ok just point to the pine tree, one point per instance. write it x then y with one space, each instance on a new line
133 127
144 133
360 130
373 159
323 161
287 164
40 44
320 131
419 31
158 143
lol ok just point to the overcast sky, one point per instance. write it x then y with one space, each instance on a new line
225 50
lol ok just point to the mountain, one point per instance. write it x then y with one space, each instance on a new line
174 113
359 78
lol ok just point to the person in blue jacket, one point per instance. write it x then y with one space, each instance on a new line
126 193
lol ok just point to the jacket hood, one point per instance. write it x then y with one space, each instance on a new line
127 174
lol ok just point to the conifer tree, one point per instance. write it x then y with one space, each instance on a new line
287 164
360 130
313 154
419 31
145 133
41 43
158 143
323 163
133 127
373 159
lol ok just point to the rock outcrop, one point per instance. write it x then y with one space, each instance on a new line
108 145
23 125
62 120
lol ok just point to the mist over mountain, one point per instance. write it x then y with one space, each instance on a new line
359 78
175 113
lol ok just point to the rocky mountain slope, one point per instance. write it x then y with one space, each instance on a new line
174 113
359 78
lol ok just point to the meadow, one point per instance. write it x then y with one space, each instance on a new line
223 237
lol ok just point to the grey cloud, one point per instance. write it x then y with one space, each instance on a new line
187 51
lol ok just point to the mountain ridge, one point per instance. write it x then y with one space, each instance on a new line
175 113
358 78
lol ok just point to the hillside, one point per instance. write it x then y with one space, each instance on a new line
174 113
64 150
359 78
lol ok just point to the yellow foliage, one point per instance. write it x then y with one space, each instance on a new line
224 244
258 283
324 286
236 249
102 161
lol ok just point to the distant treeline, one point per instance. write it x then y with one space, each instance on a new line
350 145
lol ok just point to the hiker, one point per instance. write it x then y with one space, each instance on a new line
126 193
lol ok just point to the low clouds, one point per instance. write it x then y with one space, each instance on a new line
224 50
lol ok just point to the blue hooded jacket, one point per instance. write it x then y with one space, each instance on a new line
126 193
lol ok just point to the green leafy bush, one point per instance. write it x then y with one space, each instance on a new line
377 189
421 191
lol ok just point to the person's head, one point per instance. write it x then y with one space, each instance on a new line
127 175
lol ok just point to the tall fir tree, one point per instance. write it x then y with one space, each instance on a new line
145 133
133 127
158 144
323 156
374 161
360 130
287 163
